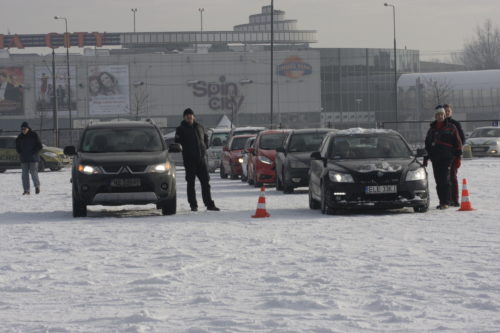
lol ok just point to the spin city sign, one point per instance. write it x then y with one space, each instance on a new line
55 40
222 95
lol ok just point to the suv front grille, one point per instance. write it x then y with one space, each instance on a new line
117 169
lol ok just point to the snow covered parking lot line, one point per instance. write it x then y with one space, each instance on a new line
298 271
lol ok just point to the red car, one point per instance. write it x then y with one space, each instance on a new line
261 165
232 156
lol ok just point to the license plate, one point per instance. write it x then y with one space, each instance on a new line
126 182
381 189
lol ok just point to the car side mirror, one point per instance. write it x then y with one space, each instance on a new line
421 152
174 148
251 150
70 150
316 155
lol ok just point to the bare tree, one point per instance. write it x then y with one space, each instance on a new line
140 100
483 52
435 92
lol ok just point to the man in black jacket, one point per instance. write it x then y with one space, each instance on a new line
28 146
191 135
456 163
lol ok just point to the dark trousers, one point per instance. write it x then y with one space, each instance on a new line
454 183
198 169
441 169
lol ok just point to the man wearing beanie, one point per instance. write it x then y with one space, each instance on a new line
456 162
443 145
28 146
194 141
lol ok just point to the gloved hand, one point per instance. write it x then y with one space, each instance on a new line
457 162
425 162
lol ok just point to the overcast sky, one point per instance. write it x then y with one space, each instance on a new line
435 27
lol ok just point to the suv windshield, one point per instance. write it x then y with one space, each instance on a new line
218 139
305 142
368 146
120 140
272 141
486 133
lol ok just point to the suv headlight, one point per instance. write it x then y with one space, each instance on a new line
50 154
339 177
265 160
298 164
418 174
159 168
89 169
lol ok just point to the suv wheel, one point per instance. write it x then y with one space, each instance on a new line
79 208
423 208
287 188
41 165
325 193
279 185
223 173
313 204
170 206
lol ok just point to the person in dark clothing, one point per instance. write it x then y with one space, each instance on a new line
191 135
456 163
28 145
444 147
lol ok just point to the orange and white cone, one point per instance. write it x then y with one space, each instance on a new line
465 204
261 205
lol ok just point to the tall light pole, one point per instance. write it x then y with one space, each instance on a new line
201 10
55 122
67 42
358 102
134 10
272 60
395 62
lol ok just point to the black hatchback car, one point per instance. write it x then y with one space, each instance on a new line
367 169
294 158
120 163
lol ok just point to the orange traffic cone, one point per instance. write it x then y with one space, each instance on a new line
261 205
465 204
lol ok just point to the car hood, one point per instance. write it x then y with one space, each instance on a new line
482 141
269 153
53 150
375 165
148 158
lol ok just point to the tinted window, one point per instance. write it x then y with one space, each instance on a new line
218 139
103 140
368 146
272 141
238 143
305 142
486 133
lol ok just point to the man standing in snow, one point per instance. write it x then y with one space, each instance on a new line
28 146
191 135
456 163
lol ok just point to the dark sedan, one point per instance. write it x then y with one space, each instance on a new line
294 158
367 169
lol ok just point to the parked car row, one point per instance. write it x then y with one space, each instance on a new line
343 169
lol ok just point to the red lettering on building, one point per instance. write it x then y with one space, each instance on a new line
48 40
98 39
1 42
67 40
81 38
16 41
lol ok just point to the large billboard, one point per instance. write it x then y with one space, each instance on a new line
44 90
108 90
11 90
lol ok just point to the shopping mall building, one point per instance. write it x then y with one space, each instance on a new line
158 74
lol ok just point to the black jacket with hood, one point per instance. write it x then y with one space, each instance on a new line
28 146
194 142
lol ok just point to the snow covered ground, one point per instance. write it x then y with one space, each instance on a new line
297 271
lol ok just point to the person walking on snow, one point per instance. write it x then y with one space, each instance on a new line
444 147
194 141
28 146
454 166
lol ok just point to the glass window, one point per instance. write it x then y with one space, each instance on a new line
303 142
368 146
238 143
105 140
272 141
486 133
218 139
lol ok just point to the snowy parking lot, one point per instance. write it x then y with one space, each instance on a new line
297 271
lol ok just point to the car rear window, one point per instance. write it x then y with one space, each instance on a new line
368 146
117 140
272 141
218 139
486 133
238 143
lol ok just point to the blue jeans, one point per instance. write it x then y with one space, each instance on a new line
30 168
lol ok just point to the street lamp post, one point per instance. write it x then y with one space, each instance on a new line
201 10
55 122
67 42
272 61
134 10
395 62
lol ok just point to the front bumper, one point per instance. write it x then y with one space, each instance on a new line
97 189
353 196
484 150
265 173
297 177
